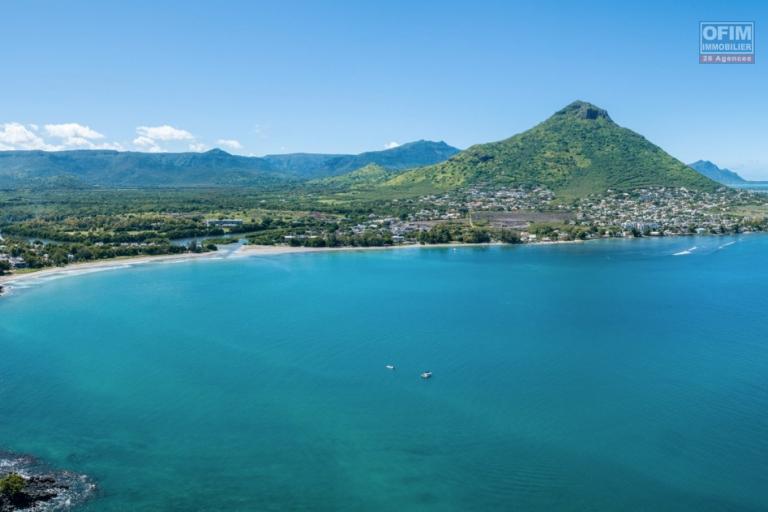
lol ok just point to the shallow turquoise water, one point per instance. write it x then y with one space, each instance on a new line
602 376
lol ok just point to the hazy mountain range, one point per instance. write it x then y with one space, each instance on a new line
713 172
105 168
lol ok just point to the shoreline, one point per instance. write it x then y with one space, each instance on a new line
244 251
268 250
7 282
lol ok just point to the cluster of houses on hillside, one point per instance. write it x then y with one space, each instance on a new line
661 211
643 212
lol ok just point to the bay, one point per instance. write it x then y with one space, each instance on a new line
609 375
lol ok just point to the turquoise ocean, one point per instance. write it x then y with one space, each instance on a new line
604 376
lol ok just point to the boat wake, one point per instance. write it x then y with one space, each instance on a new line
686 252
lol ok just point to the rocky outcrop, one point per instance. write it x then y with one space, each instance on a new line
39 488
37 491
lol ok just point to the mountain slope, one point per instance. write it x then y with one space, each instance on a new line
132 169
577 151
406 156
363 178
213 168
713 172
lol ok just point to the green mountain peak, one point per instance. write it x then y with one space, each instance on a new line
583 110
577 151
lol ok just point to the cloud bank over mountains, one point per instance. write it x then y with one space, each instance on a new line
64 136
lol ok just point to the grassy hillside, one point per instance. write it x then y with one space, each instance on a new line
577 151
363 178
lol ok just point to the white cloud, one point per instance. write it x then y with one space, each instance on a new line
149 137
62 136
78 142
391 145
18 136
74 135
71 136
230 143
147 144
143 141
164 132
109 145
72 131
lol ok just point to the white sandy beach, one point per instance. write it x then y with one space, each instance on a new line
81 268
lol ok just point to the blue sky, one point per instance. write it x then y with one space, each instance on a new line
258 77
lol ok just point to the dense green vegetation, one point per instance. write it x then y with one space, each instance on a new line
117 228
577 151
361 179
11 484
59 227
38 254
84 169
467 233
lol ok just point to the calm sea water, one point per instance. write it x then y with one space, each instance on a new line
760 186
602 376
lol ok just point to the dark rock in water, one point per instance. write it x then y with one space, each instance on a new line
37 490
43 489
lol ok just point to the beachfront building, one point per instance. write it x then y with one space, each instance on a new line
224 223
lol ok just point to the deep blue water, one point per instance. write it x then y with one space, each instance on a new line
602 376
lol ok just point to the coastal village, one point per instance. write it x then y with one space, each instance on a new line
535 215
472 215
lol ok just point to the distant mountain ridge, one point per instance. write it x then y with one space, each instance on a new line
130 169
405 156
577 151
105 168
713 172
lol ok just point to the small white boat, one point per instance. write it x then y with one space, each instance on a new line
426 375
390 367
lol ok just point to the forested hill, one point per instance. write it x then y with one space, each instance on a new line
577 151
105 168
129 169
